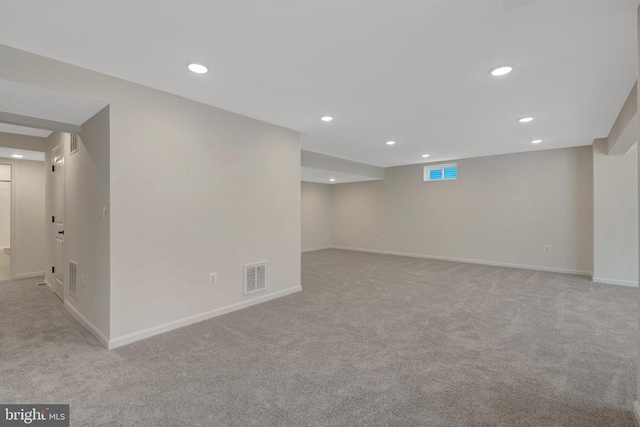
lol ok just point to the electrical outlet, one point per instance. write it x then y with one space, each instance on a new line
213 278
381 237
82 281
547 248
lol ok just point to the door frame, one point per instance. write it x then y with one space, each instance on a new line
52 200
13 241
12 215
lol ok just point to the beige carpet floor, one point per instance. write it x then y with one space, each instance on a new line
372 340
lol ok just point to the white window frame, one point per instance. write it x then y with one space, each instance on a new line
441 167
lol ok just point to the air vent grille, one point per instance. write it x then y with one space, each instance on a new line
255 277
74 143
73 277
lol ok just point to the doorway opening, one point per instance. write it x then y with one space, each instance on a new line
5 221
61 237
22 202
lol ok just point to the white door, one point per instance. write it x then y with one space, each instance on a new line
57 171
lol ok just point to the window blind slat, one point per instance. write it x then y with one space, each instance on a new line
451 173
435 174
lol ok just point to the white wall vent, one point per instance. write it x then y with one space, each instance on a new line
255 277
74 143
73 277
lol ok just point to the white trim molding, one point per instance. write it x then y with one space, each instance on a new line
636 412
169 326
87 324
29 275
48 285
471 261
320 248
617 282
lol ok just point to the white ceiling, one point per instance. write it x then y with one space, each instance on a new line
31 101
23 130
414 71
28 155
322 176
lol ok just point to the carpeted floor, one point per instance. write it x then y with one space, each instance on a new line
372 340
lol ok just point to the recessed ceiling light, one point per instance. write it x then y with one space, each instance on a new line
326 118
17 156
525 119
390 142
536 141
501 71
332 179
425 155
197 68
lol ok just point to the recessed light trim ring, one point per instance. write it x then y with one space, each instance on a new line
501 70
197 67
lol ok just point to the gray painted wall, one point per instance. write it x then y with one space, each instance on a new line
316 215
86 238
23 142
615 206
29 221
501 209
192 190
636 407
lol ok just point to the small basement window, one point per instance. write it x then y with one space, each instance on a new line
441 172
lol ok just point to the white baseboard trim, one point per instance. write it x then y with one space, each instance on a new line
169 326
29 275
636 412
48 285
90 326
471 261
321 248
615 282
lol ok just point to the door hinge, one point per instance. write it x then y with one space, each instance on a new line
53 269
53 168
